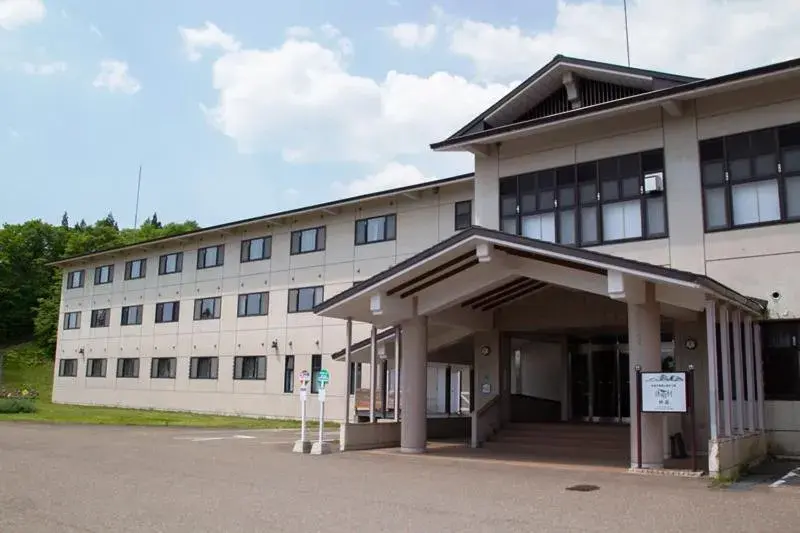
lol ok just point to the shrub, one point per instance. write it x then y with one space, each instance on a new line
15 405
25 393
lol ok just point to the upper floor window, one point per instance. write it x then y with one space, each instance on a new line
72 320
256 249
304 299
131 315
463 214
75 279
211 256
255 304
207 308
589 203
135 269
751 178
308 240
376 229
170 263
100 318
103 274
167 312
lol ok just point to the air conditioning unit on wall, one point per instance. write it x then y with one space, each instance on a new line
654 182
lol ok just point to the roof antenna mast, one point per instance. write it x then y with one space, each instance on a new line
627 38
138 188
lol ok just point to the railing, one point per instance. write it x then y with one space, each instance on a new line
485 421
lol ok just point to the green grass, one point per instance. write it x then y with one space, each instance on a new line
25 367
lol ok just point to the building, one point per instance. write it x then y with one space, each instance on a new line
622 219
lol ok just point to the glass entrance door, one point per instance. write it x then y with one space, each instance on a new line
600 383
605 386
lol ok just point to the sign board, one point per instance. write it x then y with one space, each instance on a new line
321 394
304 377
323 377
664 392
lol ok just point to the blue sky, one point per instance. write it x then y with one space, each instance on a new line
262 106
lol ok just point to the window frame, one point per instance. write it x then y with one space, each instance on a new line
81 279
95 313
241 307
134 374
98 274
288 374
176 312
90 367
316 367
194 367
769 353
356 373
361 237
266 248
125 314
198 308
296 238
296 292
65 324
172 367
260 368
62 367
129 269
162 263
458 226
201 256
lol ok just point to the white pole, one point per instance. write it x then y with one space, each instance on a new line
302 417
321 447
348 343
713 393
303 445
372 372
322 418
397 346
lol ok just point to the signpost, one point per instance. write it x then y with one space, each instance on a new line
303 445
321 447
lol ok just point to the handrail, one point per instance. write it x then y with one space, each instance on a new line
488 405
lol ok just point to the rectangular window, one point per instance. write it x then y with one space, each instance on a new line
211 256
68 368
163 367
100 318
207 308
72 320
305 299
128 367
170 263
463 214
781 353
316 366
254 304
256 249
132 315
250 367
376 229
96 368
308 240
75 279
203 367
104 274
167 312
355 377
136 269
288 374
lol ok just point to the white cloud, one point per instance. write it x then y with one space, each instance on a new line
207 36
411 35
391 176
672 36
44 69
17 13
299 32
115 76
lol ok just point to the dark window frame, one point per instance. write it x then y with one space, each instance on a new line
176 312
316 366
244 371
94 321
195 364
125 315
294 298
198 308
171 364
781 359
81 279
66 325
356 371
129 269
263 306
389 229
288 374
266 249
98 274
128 367
201 256
68 368
92 372
463 219
163 263
296 241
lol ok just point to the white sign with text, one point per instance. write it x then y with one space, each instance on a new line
664 392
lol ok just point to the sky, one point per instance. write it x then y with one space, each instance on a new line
246 107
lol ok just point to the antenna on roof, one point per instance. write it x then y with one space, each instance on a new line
138 188
627 38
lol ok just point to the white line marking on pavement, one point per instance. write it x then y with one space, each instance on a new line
222 437
785 479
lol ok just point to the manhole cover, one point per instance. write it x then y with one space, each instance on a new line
583 488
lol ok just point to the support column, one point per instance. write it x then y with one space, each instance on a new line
725 362
397 348
713 375
413 428
644 338
738 370
372 372
759 378
348 336
751 374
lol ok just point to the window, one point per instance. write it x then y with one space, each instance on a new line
751 178
207 308
203 367
305 299
75 279
250 367
463 211
167 312
288 374
68 368
781 355
308 240
211 256
72 320
376 229
170 263
131 315
163 367
128 367
316 366
136 269
355 377
255 304
100 318
586 204
256 249
96 368
104 274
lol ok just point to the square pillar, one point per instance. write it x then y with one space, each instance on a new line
373 370
413 426
759 377
751 373
348 335
397 349
713 372
725 363
644 338
738 369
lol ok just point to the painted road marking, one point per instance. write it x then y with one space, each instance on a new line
787 479
206 439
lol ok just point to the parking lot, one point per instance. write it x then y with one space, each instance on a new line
102 479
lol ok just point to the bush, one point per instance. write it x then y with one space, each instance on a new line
15 405
25 393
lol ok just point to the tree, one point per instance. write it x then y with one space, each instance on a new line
65 220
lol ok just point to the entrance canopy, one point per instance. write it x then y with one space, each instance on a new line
462 280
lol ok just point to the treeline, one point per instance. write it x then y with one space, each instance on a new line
30 290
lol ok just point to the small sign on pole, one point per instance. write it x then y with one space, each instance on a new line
321 447
303 445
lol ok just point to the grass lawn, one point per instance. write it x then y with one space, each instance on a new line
24 367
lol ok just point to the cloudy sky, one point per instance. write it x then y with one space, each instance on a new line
245 107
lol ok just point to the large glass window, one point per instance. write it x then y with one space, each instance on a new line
256 249
307 241
170 263
376 229
781 353
211 256
304 299
254 304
